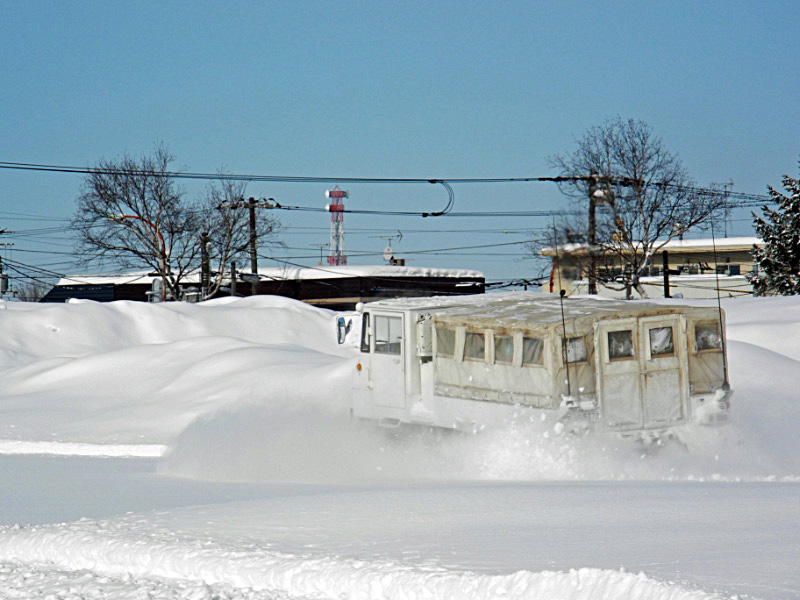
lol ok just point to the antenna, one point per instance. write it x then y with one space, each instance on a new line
388 253
725 384
321 246
337 256
726 209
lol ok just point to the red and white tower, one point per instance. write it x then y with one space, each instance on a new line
336 208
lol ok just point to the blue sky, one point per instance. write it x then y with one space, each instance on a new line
390 89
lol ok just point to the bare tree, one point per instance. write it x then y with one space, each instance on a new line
132 211
642 193
226 221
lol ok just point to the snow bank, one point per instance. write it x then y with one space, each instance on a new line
30 332
107 548
133 373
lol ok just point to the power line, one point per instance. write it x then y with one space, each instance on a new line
279 178
428 251
303 230
400 213
47 252
624 181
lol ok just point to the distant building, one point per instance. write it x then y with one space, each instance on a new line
335 287
692 268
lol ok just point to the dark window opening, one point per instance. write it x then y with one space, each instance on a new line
707 337
475 346
365 333
620 344
445 342
661 341
503 349
575 350
532 351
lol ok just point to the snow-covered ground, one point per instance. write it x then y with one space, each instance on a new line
251 481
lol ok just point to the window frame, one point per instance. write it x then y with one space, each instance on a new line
439 354
540 354
366 336
565 350
673 350
709 323
631 356
388 343
509 336
467 335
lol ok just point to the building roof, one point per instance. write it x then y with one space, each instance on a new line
283 274
678 246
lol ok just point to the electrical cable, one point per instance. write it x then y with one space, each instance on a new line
623 181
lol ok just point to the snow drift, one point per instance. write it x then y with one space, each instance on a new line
133 373
109 548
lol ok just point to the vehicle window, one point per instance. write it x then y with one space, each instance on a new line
503 349
532 351
364 334
661 341
620 344
475 346
576 350
445 342
388 334
707 337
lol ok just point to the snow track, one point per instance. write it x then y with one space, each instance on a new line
89 559
82 449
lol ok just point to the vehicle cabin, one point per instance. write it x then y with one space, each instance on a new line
623 366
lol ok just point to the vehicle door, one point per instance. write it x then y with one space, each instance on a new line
663 360
618 374
387 360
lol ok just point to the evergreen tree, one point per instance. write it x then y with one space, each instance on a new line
778 258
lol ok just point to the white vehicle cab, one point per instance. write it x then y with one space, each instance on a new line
469 361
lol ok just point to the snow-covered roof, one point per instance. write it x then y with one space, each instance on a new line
111 278
284 273
528 308
326 272
694 245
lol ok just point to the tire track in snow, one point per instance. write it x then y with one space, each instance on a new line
82 449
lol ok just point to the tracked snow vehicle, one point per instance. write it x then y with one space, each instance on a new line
617 366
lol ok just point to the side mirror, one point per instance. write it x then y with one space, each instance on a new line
342 329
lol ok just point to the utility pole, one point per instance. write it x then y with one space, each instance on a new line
592 235
251 204
204 266
233 278
3 276
665 264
